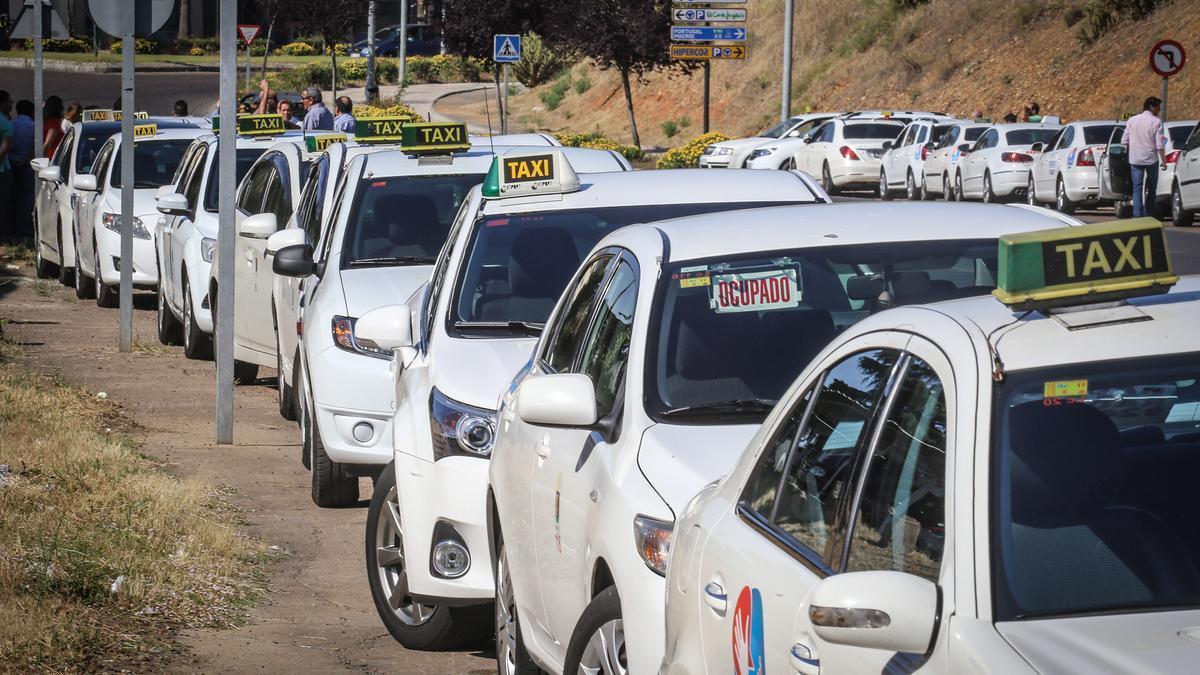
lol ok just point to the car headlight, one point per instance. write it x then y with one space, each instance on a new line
208 249
460 429
113 222
343 336
762 152
724 151
653 539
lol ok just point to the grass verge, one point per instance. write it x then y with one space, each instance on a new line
103 556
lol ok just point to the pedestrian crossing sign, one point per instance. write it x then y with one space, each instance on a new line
506 49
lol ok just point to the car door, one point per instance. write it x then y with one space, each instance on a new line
1187 171
976 162
88 203
167 280
1116 182
897 156
47 215
285 289
184 227
261 185
813 153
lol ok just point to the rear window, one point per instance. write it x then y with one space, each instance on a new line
883 132
154 162
973 133
1029 136
1100 133
1179 134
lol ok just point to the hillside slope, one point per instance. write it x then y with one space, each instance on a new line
948 55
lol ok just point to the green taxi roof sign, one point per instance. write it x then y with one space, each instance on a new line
379 129
255 125
525 173
433 138
1084 264
318 142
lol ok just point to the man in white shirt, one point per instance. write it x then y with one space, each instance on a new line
1146 142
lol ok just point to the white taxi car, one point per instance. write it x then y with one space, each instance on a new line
997 165
1064 169
942 161
845 152
1177 134
992 485
667 352
459 342
156 157
1185 186
763 150
903 163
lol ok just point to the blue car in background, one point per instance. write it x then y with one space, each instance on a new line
423 40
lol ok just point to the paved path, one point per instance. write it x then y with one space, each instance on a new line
423 96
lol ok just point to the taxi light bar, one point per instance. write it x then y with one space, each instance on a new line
433 138
379 129
140 115
319 142
524 173
254 125
97 116
1083 265
144 130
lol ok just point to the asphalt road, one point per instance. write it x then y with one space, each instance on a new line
154 93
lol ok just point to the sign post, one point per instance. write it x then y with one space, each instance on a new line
506 49
38 64
785 103
697 28
226 225
1166 58
248 32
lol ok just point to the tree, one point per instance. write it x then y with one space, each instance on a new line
333 20
185 18
632 36
269 9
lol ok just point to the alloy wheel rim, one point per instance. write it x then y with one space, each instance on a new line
389 565
506 618
605 651
910 187
1061 196
1030 198
882 184
1176 204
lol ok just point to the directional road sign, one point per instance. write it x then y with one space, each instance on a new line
707 34
506 48
52 23
698 14
707 52
149 15
1167 57
248 31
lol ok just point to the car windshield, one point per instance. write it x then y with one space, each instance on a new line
517 265
403 220
1093 488
880 132
780 129
1029 136
730 334
1098 134
245 159
1179 134
90 142
154 162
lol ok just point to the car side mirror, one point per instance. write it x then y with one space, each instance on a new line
39 164
291 236
294 261
388 327
809 139
258 226
173 204
561 400
887 145
1037 147
865 287
794 133
84 182
965 148
51 174
163 192
891 611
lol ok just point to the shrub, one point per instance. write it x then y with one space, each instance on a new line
388 110
688 155
297 49
196 51
140 46
554 96
670 128
582 85
538 64
597 141
420 68
73 45
1101 16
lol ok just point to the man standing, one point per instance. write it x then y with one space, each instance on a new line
317 117
284 108
19 158
344 122
181 108
1144 138
6 174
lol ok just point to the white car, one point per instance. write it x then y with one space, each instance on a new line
942 161
903 163
845 152
1116 181
1064 170
766 150
966 487
461 340
1177 135
186 239
156 158
997 165
1185 188
647 386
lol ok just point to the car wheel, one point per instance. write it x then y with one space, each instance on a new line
790 165
958 188
106 296
989 197
1180 216
884 193
511 656
45 269
598 643
287 399
196 345
168 325
332 485
1123 209
827 180
66 274
85 289
947 188
1061 201
412 624
910 188
244 373
1030 196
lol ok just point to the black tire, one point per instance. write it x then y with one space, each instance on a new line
170 331
1061 201
408 623
926 195
512 657
789 165
85 288
604 608
911 192
44 269
332 485
989 197
1180 216
66 273
244 373
1124 209
827 180
305 416
958 188
884 193
287 396
1030 195
106 296
947 188
196 345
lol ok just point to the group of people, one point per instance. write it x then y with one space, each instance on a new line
316 116
1030 112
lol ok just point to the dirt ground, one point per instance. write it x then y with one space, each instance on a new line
318 616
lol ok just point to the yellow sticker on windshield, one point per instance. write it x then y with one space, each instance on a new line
694 282
1065 389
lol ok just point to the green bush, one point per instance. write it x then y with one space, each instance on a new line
140 46
582 85
670 128
72 45
297 49
1101 16
421 68
688 155
554 96
597 141
538 64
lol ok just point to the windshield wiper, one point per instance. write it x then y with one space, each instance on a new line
520 327
392 260
735 407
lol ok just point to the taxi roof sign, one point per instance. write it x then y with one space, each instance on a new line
144 130
255 125
379 129
434 138
524 173
97 115
139 115
1084 264
319 142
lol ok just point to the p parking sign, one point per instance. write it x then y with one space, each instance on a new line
506 48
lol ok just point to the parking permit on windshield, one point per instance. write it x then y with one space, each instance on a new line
1065 389
757 291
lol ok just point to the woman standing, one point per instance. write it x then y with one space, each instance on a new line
52 125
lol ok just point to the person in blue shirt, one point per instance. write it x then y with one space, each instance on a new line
19 158
317 117
344 122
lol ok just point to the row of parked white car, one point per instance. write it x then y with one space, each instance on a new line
926 155
557 370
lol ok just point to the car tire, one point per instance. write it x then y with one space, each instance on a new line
789 165
911 193
66 273
1124 209
244 373
599 637
989 197
947 188
884 193
287 397
106 296
1180 216
1030 195
85 288
305 415
827 180
332 485
1061 201
413 625
958 188
44 268
196 345
169 329
512 658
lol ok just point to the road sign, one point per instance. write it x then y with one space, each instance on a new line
707 52
1167 57
149 15
52 23
248 31
707 34
506 48
699 14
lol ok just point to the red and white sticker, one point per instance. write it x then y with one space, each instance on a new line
755 291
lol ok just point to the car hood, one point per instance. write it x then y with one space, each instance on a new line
476 371
1157 642
145 206
679 460
373 287
739 144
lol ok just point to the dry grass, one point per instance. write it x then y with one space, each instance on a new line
102 554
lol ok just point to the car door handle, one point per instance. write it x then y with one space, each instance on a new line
803 660
248 255
541 448
714 597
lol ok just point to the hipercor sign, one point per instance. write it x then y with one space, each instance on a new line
755 291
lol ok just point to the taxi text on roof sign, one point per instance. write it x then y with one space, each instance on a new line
255 125
144 130
379 129
530 173
319 142
140 115
1085 264
425 138
97 115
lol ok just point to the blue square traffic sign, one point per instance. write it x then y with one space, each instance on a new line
506 48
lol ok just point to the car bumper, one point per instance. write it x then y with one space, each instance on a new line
145 270
353 391
1082 184
774 161
1011 182
715 162
1166 177
858 172
201 306
642 612
451 492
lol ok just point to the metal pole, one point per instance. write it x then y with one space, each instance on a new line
127 182
226 228
372 87
707 81
38 136
247 66
785 106
1162 113
402 48
504 116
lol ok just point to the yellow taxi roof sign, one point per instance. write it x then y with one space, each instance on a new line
1083 264
523 173
97 116
318 142
255 125
144 130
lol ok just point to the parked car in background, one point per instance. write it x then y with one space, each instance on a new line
736 153
423 40
941 163
997 165
846 152
1065 168
903 161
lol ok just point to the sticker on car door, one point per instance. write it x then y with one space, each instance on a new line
749 650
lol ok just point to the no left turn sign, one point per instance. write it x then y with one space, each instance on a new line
1167 57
